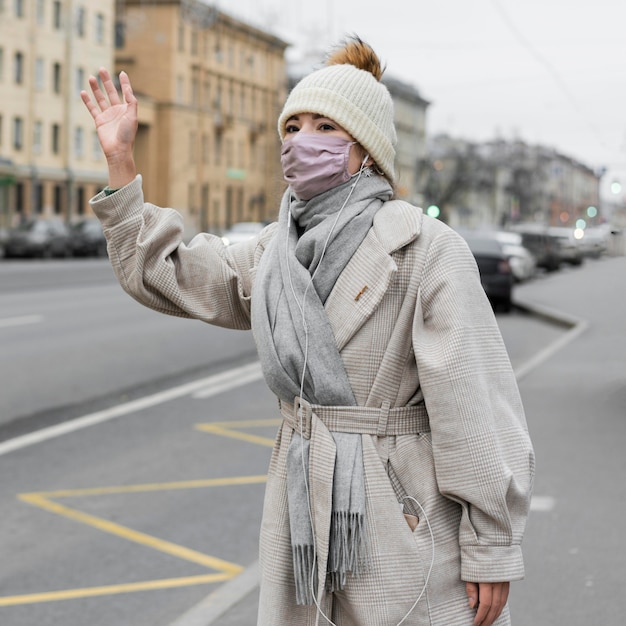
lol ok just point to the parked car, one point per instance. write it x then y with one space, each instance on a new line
43 238
522 260
88 238
4 233
570 250
544 247
242 231
595 241
494 266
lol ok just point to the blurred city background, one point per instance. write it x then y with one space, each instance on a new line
133 446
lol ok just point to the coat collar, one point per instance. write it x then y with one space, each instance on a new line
364 281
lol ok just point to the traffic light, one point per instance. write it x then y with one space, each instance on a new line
433 211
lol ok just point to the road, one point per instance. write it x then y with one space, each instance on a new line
152 496
73 341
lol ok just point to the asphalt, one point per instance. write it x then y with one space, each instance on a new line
569 298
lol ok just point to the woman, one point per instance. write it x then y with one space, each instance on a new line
400 480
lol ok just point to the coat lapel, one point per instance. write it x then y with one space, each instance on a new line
364 281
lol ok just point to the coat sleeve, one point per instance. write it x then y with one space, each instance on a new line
203 280
482 451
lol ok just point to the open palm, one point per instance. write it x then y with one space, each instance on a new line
115 118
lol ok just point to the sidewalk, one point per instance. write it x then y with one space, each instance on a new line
592 295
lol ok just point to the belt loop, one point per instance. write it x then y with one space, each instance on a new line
302 415
383 418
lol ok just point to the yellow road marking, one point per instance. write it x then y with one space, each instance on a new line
148 585
183 484
231 429
132 535
226 569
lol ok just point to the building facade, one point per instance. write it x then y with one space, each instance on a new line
50 160
410 121
498 183
210 90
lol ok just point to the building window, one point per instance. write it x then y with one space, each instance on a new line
39 74
18 8
18 133
40 12
96 149
56 78
38 199
19 198
205 148
192 147
80 200
180 90
119 34
195 92
217 148
55 140
57 15
58 199
1 62
80 80
80 21
78 142
37 137
181 38
99 28
18 68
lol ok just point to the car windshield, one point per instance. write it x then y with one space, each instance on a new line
28 226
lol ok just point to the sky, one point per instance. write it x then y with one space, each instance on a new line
548 72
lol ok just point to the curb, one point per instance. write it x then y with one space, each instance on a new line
215 605
575 326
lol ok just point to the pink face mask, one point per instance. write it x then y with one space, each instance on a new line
314 163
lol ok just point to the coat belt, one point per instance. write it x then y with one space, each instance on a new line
382 422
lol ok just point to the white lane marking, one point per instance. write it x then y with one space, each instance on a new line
542 504
20 321
249 374
209 386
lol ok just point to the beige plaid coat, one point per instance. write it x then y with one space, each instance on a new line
413 327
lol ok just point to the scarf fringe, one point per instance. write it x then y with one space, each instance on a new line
305 573
347 548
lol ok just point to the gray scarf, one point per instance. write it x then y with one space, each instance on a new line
288 344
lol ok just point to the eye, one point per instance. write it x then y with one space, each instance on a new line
291 128
325 126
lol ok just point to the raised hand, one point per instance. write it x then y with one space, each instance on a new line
116 124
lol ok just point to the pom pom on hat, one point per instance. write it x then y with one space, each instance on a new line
348 91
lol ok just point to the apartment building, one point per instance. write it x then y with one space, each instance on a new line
410 121
210 89
50 161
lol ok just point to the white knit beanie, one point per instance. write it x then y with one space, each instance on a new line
354 99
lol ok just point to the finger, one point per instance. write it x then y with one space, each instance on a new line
472 594
89 103
127 90
499 599
109 87
97 93
485 600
